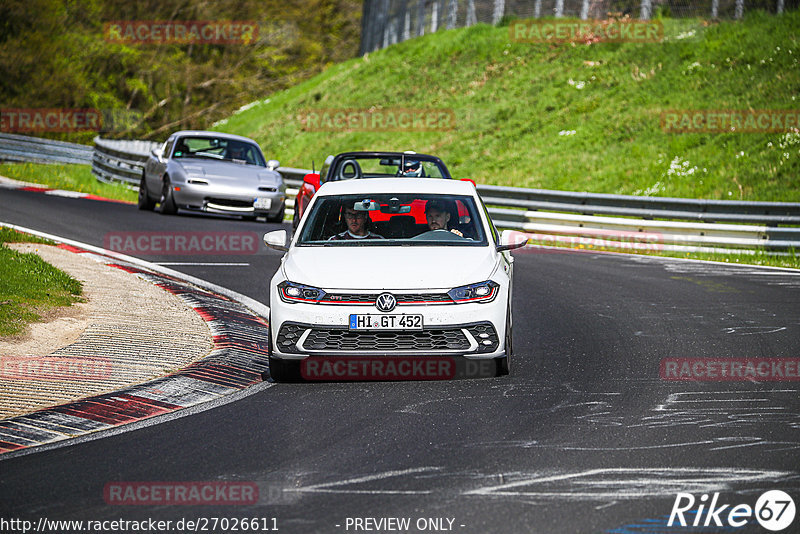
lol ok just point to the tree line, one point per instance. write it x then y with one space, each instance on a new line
58 54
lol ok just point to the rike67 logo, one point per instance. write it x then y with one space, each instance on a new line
774 510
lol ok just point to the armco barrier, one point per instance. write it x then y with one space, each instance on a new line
681 224
686 225
644 207
120 161
25 149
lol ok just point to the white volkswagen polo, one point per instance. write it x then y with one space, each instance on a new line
386 269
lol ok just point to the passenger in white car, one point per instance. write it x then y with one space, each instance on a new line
438 217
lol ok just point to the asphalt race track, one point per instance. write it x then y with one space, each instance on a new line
585 436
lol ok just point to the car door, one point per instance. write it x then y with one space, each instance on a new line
156 167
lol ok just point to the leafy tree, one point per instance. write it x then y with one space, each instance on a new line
54 54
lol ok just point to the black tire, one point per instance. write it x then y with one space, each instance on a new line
504 364
265 375
278 218
503 368
168 206
280 370
145 202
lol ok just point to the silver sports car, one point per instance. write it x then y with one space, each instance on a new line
212 172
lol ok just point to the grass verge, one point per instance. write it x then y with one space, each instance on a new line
66 176
29 286
758 257
568 116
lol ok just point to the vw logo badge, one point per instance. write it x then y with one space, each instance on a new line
385 302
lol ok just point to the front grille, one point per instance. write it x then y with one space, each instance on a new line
341 339
402 298
230 202
346 340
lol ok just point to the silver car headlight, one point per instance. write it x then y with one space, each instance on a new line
292 293
481 292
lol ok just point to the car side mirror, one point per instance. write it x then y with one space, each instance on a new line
511 239
312 179
276 240
158 155
273 164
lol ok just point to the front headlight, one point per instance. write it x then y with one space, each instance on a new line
291 292
482 292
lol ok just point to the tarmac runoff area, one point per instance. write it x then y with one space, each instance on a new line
142 344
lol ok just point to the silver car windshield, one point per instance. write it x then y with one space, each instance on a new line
218 148
393 220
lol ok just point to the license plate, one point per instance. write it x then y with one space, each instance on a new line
385 322
262 203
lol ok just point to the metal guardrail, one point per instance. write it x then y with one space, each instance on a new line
24 149
120 161
644 207
546 217
691 225
674 224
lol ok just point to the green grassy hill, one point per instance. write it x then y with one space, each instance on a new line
567 116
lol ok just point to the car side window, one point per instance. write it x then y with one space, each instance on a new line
495 235
181 148
167 149
432 169
250 156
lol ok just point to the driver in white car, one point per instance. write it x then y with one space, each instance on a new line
438 217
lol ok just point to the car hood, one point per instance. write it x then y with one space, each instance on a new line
378 268
228 171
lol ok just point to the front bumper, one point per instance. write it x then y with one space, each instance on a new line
472 330
227 200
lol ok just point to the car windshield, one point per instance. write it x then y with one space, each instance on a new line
218 148
406 165
393 220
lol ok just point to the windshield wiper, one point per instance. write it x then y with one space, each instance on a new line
204 155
